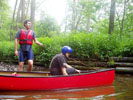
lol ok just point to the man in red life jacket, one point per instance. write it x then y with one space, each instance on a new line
25 38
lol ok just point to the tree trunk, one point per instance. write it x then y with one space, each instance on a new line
18 13
32 16
11 33
23 12
111 17
123 17
122 59
88 19
73 15
27 8
128 70
123 64
88 24
14 11
118 19
77 23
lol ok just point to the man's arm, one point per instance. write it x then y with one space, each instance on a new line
16 46
16 42
63 69
68 66
37 42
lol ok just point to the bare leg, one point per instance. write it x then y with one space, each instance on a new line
30 63
20 68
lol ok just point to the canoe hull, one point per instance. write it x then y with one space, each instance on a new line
57 82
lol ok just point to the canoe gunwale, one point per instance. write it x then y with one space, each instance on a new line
84 73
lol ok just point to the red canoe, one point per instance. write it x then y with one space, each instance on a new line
43 81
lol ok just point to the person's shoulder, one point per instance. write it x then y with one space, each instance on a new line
18 34
22 29
57 55
19 31
32 31
60 55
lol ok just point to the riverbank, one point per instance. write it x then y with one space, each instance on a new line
14 67
121 64
8 67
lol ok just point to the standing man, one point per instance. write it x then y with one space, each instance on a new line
59 66
25 38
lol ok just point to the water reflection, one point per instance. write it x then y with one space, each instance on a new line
96 92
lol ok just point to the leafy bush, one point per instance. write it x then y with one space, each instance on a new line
107 45
6 50
126 48
46 52
84 46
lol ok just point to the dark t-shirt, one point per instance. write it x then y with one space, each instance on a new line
25 47
57 62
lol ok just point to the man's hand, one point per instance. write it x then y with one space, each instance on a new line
41 44
37 42
16 53
78 71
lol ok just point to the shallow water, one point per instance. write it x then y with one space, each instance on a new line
122 89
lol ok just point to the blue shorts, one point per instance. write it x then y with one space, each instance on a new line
25 54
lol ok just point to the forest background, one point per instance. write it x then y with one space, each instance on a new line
93 28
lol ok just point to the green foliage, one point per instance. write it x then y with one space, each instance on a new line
84 46
126 48
111 62
5 20
106 45
47 26
5 30
4 9
6 50
46 52
101 26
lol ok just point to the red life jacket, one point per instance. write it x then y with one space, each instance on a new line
26 38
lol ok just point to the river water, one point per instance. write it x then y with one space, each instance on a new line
122 89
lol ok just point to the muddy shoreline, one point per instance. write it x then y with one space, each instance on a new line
14 67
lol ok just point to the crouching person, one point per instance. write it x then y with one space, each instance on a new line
59 66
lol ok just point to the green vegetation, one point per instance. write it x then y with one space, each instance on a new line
84 46
6 50
87 45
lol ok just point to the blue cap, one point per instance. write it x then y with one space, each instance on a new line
66 49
